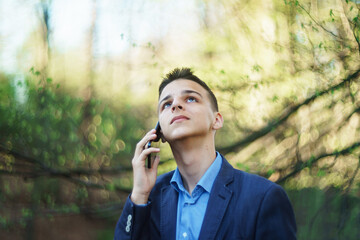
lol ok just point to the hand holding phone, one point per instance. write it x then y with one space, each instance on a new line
158 136
144 178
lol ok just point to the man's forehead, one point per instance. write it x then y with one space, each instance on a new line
182 86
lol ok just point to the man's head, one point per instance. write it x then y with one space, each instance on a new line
186 73
187 108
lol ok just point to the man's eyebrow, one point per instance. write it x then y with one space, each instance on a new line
164 99
191 91
184 92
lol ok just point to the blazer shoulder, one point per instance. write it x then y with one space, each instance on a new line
241 176
253 182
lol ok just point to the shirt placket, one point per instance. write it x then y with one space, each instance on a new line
189 202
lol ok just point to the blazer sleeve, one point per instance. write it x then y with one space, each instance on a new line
134 222
276 218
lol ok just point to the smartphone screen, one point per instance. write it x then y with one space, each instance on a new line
150 158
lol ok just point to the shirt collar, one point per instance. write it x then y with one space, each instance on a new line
206 181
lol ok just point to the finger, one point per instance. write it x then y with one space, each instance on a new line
142 157
148 151
140 145
156 162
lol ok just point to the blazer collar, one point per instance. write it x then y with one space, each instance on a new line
218 201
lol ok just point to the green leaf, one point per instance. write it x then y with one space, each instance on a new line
110 187
321 173
270 172
310 161
26 212
315 29
257 68
3 221
74 208
243 167
275 98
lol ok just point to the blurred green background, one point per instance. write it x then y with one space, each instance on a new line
78 90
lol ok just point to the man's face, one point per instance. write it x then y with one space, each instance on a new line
185 110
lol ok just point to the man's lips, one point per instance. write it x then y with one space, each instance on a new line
181 117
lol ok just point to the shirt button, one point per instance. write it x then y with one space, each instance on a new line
127 229
184 235
129 217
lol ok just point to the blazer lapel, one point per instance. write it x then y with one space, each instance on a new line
218 202
169 200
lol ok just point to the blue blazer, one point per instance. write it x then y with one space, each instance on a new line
241 206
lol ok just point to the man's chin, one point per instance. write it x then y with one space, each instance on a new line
178 136
182 135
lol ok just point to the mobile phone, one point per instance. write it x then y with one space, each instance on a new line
157 128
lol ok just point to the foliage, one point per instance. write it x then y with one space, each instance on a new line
60 154
297 117
325 214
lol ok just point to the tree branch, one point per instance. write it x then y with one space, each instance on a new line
284 116
299 167
41 169
317 23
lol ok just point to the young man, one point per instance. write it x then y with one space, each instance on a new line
205 197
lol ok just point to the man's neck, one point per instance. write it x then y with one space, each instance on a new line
193 157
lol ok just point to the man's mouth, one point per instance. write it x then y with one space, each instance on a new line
178 119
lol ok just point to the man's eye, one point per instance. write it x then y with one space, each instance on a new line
166 105
191 99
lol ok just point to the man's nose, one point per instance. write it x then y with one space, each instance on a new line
176 104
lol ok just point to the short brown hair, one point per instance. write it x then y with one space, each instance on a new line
186 73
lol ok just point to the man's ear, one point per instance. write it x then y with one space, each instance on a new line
218 121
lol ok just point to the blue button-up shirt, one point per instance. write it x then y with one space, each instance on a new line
191 208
